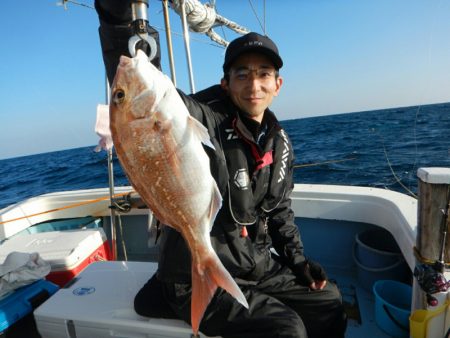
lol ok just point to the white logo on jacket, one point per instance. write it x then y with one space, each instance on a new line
231 134
284 157
241 179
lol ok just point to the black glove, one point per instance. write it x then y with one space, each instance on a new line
310 274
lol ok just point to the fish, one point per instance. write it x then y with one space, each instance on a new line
160 147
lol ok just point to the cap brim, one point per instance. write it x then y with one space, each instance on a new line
275 58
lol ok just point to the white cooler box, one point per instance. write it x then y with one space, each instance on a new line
100 304
68 252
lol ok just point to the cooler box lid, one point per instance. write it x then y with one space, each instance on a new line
100 304
62 249
22 301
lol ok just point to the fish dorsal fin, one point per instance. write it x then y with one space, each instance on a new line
201 131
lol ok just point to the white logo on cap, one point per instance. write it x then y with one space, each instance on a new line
254 43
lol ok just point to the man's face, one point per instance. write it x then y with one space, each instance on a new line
252 84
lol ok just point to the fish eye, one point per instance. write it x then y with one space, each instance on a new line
119 96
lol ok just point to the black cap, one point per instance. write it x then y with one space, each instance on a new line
252 42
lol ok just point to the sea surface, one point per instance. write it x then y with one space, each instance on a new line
382 148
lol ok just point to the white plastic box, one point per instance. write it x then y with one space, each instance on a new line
100 304
68 252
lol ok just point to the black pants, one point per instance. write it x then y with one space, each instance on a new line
278 307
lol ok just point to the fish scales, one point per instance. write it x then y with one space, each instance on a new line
159 146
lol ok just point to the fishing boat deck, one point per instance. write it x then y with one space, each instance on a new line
330 242
54 315
331 218
359 303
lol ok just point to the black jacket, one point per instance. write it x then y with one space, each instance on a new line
255 181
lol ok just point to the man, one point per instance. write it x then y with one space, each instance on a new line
252 164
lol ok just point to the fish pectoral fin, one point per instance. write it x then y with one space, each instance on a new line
142 104
205 280
201 131
216 204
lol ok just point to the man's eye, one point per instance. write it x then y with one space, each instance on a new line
242 75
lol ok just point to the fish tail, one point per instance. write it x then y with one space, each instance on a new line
206 278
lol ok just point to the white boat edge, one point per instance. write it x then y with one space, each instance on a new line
394 211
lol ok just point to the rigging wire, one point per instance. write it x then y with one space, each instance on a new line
191 38
257 16
214 6
64 4
264 16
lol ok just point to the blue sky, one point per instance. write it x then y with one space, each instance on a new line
340 56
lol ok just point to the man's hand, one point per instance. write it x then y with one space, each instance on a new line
311 274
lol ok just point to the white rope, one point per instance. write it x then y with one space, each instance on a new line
202 18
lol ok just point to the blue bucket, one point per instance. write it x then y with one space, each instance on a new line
376 248
378 257
393 307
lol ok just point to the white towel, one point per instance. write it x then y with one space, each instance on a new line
19 269
102 128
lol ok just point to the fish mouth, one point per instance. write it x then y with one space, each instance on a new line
125 61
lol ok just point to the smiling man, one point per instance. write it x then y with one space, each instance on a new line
252 163
251 78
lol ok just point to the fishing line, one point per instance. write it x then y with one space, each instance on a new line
304 165
428 63
392 170
416 151
69 206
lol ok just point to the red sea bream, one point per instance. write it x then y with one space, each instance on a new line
159 146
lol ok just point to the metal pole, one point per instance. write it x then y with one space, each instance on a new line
169 42
111 187
140 16
186 45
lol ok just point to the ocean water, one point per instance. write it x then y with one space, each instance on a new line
382 148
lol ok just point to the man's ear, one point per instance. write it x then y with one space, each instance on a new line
224 84
279 83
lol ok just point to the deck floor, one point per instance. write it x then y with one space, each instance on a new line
360 305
